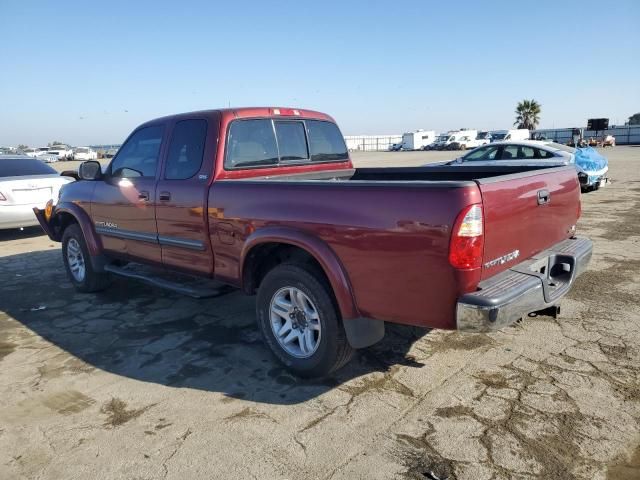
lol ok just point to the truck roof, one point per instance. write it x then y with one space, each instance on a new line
248 112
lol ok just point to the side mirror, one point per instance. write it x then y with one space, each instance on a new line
90 170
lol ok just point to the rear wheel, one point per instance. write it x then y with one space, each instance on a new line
299 321
77 262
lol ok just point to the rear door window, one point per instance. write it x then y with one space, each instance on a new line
326 142
251 143
292 141
483 153
186 149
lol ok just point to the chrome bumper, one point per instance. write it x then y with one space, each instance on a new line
536 284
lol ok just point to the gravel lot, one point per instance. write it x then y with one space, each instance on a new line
139 383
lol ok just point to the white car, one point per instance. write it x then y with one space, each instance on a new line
26 183
592 167
63 152
36 152
84 154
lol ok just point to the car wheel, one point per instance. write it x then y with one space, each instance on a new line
300 322
77 262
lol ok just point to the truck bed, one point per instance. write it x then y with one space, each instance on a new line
461 174
391 227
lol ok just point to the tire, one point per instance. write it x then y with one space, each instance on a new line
332 349
77 262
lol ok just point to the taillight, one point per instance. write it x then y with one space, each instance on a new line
467 239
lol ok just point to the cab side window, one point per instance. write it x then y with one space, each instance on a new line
186 149
138 157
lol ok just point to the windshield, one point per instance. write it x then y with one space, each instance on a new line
482 135
18 167
441 138
498 136
82 150
451 138
59 147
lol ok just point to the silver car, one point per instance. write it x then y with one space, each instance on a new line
591 167
25 183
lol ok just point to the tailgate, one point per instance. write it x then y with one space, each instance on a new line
526 213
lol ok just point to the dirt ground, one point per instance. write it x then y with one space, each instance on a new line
139 383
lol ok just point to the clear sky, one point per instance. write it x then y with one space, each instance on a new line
88 72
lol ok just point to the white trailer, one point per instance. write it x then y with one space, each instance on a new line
506 135
417 140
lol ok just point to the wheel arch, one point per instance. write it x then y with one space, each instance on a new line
272 246
68 213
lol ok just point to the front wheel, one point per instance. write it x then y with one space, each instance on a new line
77 262
300 323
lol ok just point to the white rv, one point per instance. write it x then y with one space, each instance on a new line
509 135
417 140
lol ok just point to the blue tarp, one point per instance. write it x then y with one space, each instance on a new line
589 160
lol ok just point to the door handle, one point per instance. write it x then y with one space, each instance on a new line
143 195
165 196
543 197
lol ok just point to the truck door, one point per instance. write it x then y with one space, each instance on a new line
182 191
123 205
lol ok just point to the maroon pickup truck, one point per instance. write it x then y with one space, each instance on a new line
267 200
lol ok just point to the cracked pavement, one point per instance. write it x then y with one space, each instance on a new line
140 383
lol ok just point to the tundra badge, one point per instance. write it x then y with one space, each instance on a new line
503 259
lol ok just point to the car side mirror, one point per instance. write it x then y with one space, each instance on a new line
90 170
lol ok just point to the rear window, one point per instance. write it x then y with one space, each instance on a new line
266 142
251 143
292 142
17 167
326 142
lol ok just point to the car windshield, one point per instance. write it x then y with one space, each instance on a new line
59 147
441 138
82 150
498 136
18 167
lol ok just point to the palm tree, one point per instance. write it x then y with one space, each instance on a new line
527 114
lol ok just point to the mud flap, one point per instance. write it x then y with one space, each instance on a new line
363 332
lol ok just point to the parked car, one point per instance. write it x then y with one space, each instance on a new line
25 183
84 153
110 153
63 152
590 165
439 143
332 252
609 141
40 151
31 152
395 147
47 157
468 142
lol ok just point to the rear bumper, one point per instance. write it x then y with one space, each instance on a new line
17 216
533 285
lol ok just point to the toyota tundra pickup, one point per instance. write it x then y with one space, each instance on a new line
268 201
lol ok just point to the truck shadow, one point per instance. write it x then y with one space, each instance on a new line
156 336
